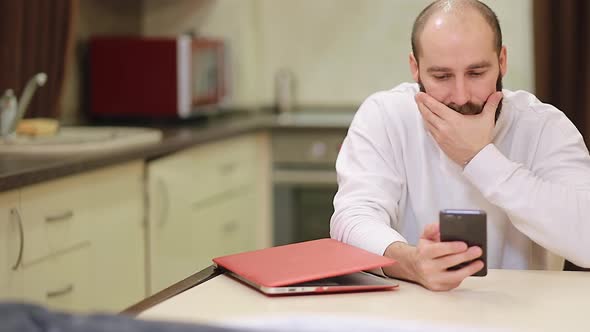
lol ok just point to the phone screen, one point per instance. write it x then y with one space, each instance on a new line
468 226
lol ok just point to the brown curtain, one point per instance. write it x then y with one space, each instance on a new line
36 36
562 61
562 58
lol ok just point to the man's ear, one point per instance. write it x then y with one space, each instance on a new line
414 67
503 59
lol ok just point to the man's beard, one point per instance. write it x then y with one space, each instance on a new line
470 108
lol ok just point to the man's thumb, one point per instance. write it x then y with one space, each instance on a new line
492 103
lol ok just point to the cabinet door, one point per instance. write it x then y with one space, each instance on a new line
174 234
11 246
170 215
100 210
184 246
118 237
200 203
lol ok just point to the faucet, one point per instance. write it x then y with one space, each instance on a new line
11 110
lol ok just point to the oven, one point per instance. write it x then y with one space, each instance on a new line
304 182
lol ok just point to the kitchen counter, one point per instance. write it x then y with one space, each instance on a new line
16 172
504 300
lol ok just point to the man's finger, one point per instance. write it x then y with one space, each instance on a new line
434 132
456 259
453 278
421 99
440 249
428 116
466 271
436 107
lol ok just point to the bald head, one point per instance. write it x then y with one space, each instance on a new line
457 8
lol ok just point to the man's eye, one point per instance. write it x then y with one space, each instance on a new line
476 74
442 77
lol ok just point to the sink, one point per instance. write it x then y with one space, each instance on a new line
76 140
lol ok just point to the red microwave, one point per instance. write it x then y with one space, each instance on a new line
155 78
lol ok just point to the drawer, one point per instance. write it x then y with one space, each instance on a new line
52 216
306 147
57 215
61 282
206 171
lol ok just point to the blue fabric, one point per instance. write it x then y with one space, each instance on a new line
21 317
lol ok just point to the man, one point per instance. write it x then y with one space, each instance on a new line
462 142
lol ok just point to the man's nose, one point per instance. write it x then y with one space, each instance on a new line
461 94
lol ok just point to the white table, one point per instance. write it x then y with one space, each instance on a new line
519 300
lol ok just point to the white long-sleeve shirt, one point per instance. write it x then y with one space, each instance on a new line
533 181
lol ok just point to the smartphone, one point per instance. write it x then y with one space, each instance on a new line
468 226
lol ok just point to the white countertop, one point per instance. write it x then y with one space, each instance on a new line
505 299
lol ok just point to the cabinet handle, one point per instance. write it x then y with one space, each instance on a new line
165 202
229 227
60 217
228 168
21 234
60 292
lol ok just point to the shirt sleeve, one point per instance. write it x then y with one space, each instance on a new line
366 205
549 201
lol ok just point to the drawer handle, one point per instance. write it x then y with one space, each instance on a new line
228 168
60 292
60 217
21 235
229 227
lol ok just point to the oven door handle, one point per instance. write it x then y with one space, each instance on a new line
304 177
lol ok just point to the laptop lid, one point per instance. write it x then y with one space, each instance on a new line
300 262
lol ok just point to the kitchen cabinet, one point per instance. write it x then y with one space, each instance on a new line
10 244
62 281
207 201
118 237
83 240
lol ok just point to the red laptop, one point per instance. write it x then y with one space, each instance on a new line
317 266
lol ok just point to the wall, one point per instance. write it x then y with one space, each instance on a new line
348 49
233 20
339 50
95 17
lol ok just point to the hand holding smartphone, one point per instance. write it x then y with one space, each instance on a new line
468 226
